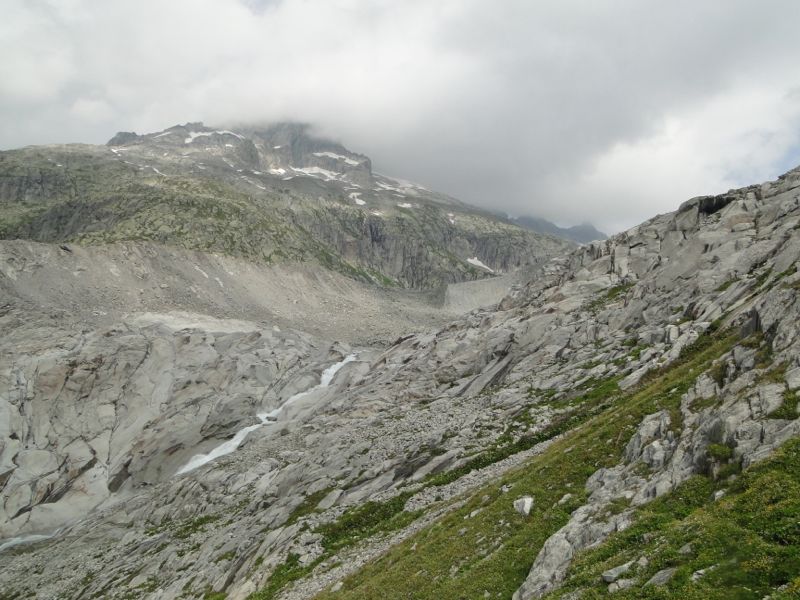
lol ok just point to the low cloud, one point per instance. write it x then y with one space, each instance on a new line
573 110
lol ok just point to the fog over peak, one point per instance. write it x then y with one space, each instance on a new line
570 110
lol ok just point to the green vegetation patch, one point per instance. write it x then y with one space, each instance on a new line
183 529
355 524
365 521
597 397
609 296
719 452
194 526
486 546
747 544
726 284
308 505
284 574
788 408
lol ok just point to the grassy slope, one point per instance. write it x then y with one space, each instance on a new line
750 538
464 556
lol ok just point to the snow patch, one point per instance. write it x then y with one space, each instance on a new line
409 185
405 205
354 196
399 185
317 171
345 159
201 271
196 134
277 171
475 261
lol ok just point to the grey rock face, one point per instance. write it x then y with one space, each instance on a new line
662 577
101 413
621 584
612 575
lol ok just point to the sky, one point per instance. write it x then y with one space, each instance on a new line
573 110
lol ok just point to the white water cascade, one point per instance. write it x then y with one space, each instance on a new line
26 539
267 418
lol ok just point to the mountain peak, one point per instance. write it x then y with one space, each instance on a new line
271 193
122 138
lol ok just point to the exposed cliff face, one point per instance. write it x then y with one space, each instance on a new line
619 373
273 195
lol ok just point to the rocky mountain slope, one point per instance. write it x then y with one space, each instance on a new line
96 285
273 195
625 421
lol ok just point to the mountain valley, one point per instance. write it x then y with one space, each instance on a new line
237 363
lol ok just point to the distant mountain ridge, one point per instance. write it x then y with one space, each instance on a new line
581 234
273 194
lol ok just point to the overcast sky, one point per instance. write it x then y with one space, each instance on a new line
606 111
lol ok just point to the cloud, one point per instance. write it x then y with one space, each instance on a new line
695 152
568 109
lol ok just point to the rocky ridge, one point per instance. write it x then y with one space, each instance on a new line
272 195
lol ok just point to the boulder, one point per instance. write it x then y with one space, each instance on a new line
523 505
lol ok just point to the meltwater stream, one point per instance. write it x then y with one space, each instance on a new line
26 539
198 460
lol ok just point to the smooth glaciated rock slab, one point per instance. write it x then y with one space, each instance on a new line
662 577
612 575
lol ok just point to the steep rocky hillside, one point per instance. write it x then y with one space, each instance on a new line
274 195
625 421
